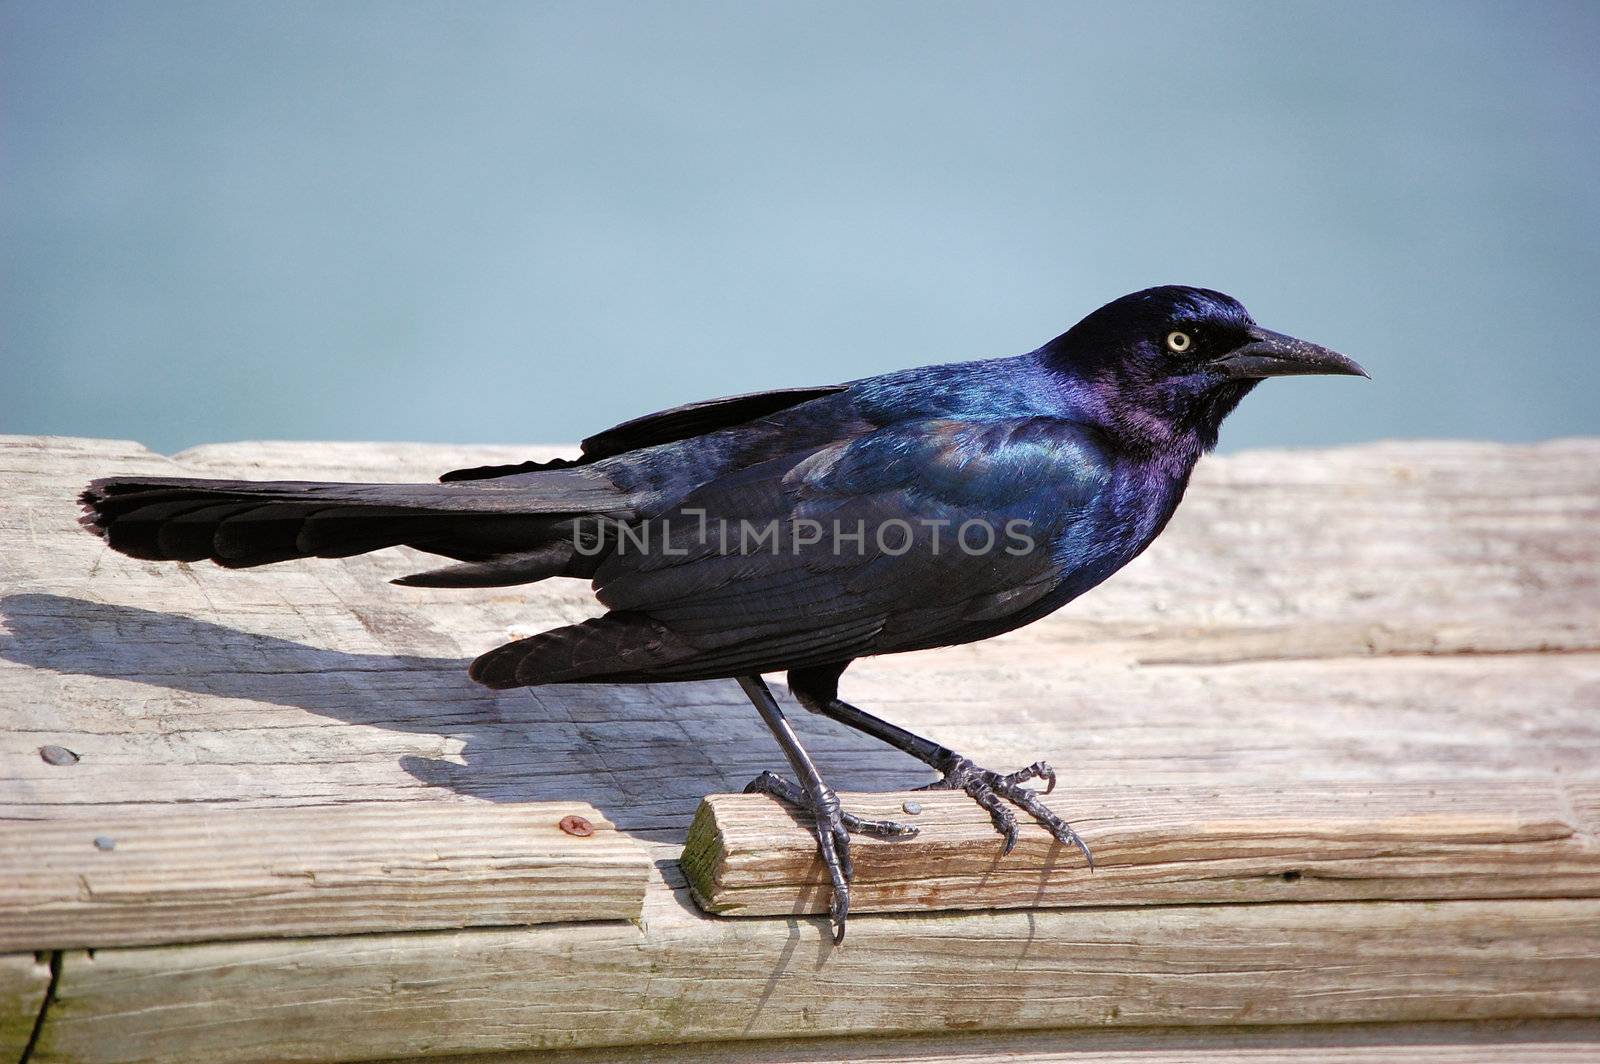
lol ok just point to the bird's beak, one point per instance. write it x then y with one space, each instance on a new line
1272 354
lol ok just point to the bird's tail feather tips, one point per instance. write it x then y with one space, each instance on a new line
242 523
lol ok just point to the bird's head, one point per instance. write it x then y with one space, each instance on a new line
1164 366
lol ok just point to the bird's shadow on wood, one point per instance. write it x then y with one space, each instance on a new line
643 755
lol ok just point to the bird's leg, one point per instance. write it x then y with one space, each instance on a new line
818 691
833 824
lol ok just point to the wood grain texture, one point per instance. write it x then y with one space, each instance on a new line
1311 622
200 874
24 981
1492 1042
684 977
749 855
317 682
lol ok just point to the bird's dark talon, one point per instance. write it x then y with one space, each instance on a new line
992 790
878 829
1039 770
1010 842
1058 827
1005 821
765 784
833 829
1047 773
841 849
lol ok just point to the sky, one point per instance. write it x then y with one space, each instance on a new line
523 222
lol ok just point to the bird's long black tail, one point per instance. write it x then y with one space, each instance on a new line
510 530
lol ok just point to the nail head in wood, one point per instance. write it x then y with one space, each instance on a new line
576 825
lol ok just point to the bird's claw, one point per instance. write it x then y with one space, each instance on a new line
834 827
991 790
1039 770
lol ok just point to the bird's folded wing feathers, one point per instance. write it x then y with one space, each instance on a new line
663 426
901 488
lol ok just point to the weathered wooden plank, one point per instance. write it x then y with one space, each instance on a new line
1491 1042
316 682
200 874
274 721
682 977
1326 576
24 981
749 855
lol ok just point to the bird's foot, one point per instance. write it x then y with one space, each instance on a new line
991 790
834 827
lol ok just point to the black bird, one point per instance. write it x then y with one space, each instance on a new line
798 530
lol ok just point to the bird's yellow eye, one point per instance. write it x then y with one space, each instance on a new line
1179 342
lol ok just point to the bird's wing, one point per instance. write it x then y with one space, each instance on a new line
912 576
664 426
696 606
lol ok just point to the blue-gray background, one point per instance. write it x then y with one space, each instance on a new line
525 221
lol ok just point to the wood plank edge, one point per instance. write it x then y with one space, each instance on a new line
168 881
1529 848
667 982
1566 1041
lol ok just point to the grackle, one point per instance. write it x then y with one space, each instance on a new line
798 530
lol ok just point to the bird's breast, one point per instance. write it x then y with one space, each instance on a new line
1124 520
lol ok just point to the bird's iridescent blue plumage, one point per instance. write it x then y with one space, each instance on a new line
1088 441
